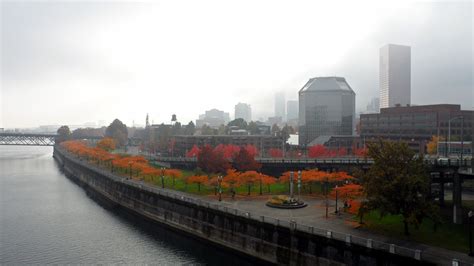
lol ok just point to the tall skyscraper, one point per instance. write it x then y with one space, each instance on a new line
326 108
244 111
395 75
280 104
291 110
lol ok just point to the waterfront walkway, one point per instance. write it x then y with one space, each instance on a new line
310 219
315 215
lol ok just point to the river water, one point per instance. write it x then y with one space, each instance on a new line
47 219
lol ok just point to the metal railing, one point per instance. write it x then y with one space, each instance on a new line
454 162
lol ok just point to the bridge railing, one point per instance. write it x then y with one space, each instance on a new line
452 162
349 239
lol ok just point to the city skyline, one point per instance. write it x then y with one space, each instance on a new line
113 77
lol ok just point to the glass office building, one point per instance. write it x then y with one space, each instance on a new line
326 108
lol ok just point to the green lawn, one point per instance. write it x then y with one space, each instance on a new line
448 235
277 188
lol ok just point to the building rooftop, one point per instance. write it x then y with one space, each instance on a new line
327 84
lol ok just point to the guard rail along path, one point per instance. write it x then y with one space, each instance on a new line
265 239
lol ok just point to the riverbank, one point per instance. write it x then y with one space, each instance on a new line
271 239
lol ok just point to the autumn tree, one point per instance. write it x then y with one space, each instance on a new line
63 134
249 178
432 146
244 161
347 191
397 183
106 144
212 162
197 179
266 180
118 131
275 153
193 152
362 152
251 149
173 173
317 151
232 178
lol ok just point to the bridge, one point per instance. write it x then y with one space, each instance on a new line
27 139
339 163
32 139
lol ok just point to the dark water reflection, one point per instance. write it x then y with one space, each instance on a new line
47 219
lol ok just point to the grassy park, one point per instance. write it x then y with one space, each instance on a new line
447 235
433 228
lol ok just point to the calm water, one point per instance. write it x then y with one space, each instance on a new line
47 219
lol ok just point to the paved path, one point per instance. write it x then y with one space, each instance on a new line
315 215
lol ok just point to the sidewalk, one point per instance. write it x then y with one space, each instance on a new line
315 215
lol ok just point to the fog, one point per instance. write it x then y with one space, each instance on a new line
77 62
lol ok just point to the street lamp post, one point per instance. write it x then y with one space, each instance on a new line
299 184
162 177
471 216
219 182
291 184
327 190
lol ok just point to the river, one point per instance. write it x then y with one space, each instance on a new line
47 219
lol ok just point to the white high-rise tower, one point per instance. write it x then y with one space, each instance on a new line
395 75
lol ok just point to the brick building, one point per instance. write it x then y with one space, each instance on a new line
417 124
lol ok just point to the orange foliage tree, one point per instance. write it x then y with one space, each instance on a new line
266 180
106 144
174 173
232 178
249 178
197 179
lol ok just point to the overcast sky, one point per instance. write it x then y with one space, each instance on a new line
77 62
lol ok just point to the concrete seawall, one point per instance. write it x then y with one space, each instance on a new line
264 239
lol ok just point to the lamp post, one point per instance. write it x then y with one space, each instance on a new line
291 184
130 168
327 190
219 182
299 184
162 177
471 216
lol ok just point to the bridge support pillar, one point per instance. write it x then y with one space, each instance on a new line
457 199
